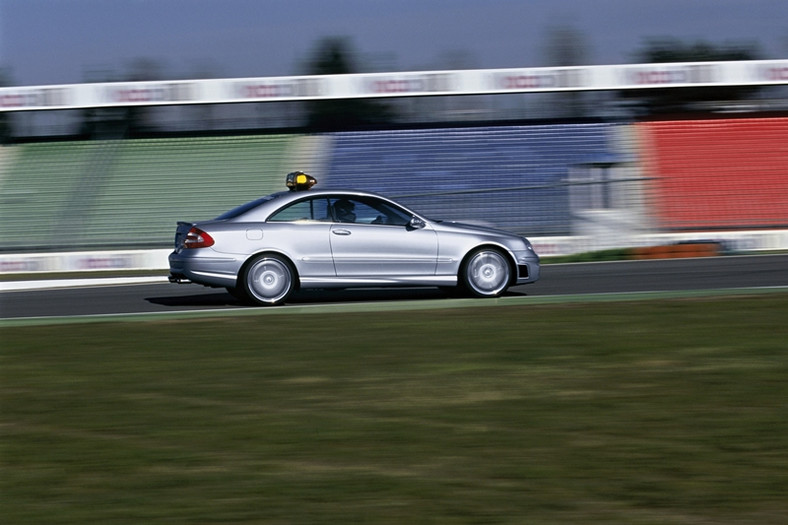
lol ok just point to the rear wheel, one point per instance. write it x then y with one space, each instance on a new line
486 273
268 280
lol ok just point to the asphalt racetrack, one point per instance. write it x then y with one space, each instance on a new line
575 280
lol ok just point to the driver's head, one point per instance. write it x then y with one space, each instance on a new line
344 209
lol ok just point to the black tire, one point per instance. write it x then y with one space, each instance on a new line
486 272
268 280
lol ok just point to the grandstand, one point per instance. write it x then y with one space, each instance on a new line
513 176
130 193
37 188
703 175
719 174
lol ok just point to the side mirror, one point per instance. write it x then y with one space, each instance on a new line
416 223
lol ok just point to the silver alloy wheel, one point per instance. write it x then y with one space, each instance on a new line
268 280
487 273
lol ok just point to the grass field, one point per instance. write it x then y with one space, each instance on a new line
671 411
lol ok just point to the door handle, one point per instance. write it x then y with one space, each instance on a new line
340 231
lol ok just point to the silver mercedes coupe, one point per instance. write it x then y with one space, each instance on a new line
264 250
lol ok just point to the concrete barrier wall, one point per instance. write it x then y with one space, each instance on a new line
695 244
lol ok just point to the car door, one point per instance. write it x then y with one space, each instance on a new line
375 241
301 230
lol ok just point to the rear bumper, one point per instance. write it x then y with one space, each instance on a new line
203 266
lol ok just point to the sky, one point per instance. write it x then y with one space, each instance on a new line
68 41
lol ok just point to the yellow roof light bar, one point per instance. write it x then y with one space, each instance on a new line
299 181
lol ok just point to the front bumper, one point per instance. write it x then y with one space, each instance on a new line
528 267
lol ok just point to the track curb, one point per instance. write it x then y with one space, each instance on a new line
366 307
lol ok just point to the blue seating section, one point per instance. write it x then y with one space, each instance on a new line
513 177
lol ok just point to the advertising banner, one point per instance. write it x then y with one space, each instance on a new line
404 84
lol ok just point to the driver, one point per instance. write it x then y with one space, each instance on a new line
343 211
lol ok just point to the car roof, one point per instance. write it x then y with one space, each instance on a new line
295 195
327 191
269 203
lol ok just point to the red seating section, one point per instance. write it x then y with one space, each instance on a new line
728 173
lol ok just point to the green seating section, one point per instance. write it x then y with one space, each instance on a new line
36 192
130 193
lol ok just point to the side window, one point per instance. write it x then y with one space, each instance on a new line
344 210
388 214
306 210
367 211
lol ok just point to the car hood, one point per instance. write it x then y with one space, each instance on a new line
456 226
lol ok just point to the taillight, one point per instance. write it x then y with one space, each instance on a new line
196 238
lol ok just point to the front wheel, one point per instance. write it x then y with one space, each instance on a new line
268 280
486 273
238 293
